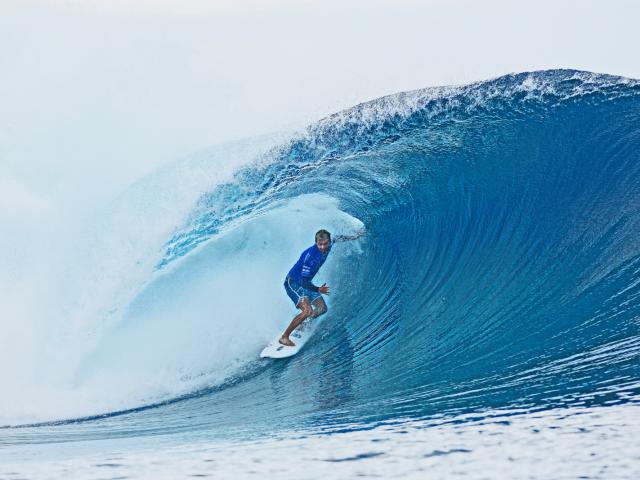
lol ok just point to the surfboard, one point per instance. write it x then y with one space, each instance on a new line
300 336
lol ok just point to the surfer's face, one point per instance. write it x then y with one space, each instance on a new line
323 244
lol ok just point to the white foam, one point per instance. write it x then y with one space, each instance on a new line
192 325
67 272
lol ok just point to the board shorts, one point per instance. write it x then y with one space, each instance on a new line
297 291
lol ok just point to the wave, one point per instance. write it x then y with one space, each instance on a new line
500 267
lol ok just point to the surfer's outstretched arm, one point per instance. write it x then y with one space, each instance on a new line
348 238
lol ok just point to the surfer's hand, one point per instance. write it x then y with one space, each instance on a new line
324 289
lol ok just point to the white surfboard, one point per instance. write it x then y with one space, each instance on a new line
300 336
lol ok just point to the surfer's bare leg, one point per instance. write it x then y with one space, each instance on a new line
320 307
305 313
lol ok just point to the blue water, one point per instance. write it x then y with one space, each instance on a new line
500 268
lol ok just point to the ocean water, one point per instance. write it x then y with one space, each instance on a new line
486 325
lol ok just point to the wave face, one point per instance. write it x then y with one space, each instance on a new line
500 268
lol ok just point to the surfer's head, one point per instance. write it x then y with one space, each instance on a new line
323 241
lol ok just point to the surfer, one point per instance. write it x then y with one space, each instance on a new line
304 294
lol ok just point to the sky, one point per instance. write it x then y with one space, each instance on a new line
97 93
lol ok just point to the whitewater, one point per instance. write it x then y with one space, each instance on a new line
485 325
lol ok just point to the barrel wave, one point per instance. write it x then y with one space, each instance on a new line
499 268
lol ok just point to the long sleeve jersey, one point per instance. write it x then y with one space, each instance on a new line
307 266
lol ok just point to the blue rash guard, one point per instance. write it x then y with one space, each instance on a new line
307 266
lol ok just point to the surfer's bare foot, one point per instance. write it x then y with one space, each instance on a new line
287 342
